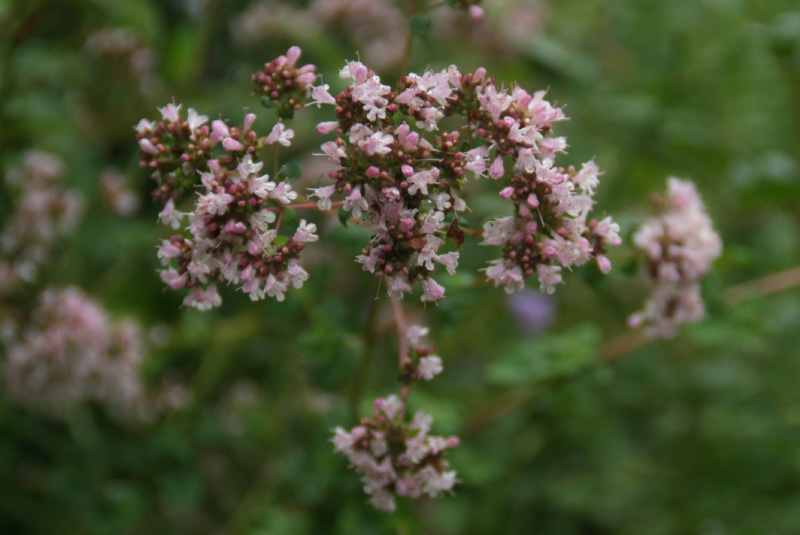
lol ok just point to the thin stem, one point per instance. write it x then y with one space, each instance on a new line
366 357
402 342
280 218
406 54
629 342
770 284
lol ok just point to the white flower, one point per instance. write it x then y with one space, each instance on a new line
430 367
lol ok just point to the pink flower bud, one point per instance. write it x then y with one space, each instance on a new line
506 193
604 264
231 145
327 127
146 146
411 140
306 78
476 12
249 119
293 54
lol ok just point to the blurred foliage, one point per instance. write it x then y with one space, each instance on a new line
695 435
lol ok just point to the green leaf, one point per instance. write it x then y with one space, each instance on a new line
289 221
548 356
344 216
267 102
286 113
420 25
291 171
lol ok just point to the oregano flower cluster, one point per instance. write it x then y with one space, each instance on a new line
678 246
71 351
408 186
44 212
283 84
394 455
232 234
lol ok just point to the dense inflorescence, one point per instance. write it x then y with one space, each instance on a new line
174 149
43 213
395 456
231 238
408 186
72 352
679 246
283 84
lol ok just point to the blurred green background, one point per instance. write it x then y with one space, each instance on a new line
696 435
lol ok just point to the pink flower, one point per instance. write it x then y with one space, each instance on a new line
432 290
170 216
321 95
231 145
324 195
327 127
171 112
430 367
280 134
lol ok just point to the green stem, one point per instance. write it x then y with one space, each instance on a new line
366 357
406 54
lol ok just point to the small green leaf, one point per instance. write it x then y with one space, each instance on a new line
267 102
289 221
286 113
291 171
344 216
421 25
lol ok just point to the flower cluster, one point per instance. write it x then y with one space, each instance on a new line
408 187
174 148
679 246
283 83
72 352
43 213
396 457
231 239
